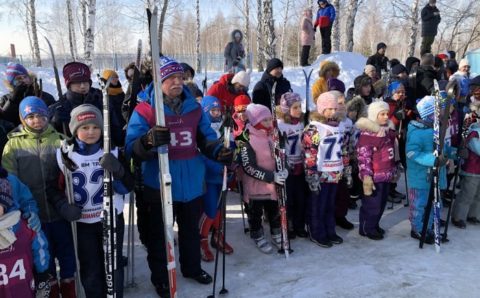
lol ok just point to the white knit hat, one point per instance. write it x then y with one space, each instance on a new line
463 62
242 77
375 108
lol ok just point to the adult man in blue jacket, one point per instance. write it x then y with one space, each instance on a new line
187 133
325 19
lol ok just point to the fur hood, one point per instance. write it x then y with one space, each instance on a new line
315 116
357 104
367 125
329 65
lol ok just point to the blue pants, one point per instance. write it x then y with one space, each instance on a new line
60 247
92 259
211 199
321 212
418 201
373 207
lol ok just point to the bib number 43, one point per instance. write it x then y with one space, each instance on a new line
181 138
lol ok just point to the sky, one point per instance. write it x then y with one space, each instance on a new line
12 28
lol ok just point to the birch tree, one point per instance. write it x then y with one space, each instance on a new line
269 30
352 8
83 30
89 33
161 24
284 31
33 25
260 33
410 14
246 31
197 40
336 26
72 40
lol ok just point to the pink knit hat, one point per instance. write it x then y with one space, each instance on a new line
287 100
256 113
325 101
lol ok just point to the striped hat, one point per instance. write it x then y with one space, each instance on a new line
13 70
169 67
426 107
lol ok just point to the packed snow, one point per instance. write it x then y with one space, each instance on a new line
393 267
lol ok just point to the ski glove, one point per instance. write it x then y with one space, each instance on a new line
70 212
33 221
280 177
20 92
368 186
61 115
313 182
155 137
399 114
42 285
463 153
110 163
225 156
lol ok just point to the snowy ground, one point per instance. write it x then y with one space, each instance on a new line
393 267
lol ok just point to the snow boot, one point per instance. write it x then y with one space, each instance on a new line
54 288
203 278
67 288
429 239
205 251
163 290
277 238
343 223
335 239
263 245
459 223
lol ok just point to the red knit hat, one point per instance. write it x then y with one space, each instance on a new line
76 72
241 102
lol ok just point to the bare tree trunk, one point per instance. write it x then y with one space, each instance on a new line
27 26
246 32
33 24
336 26
413 28
197 42
352 9
260 43
285 19
71 31
310 4
162 23
89 33
83 5
269 30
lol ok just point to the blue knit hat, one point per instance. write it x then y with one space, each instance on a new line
426 107
32 105
393 87
208 103
169 67
13 70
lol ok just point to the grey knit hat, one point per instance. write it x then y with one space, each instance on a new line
85 114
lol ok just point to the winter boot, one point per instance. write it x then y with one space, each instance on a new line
163 290
205 226
54 289
205 251
67 288
277 238
217 240
344 223
263 245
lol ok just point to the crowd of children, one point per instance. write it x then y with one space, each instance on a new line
353 146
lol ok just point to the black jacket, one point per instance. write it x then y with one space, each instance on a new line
425 77
263 89
10 102
430 21
379 61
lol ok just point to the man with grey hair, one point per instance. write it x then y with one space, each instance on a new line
430 20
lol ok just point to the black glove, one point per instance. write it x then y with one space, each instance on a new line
400 114
20 92
61 115
463 153
442 160
225 156
42 285
70 212
155 137
110 163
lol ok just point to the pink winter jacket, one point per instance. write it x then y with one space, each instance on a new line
307 33
258 166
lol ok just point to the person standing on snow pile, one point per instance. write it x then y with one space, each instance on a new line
379 60
259 177
290 123
23 250
430 20
187 133
262 92
420 160
234 53
229 86
211 218
20 84
86 125
328 70
30 155
325 18
376 150
322 141
307 38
